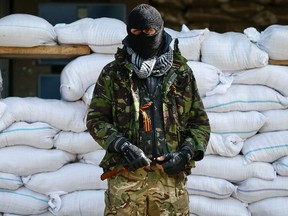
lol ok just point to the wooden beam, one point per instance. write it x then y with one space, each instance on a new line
40 52
278 62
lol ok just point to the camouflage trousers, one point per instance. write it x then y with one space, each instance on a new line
147 192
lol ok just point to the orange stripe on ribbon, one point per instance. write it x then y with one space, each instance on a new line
146 118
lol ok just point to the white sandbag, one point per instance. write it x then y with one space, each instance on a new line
243 124
273 76
38 134
73 33
26 160
87 97
63 115
254 189
47 213
266 147
246 98
23 202
94 157
80 74
204 206
3 108
69 178
276 120
75 143
103 35
276 206
281 166
209 186
228 146
233 169
26 30
86 203
210 80
189 41
232 51
273 40
10 181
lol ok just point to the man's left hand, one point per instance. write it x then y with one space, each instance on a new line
175 162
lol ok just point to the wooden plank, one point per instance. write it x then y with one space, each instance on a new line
38 52
278 62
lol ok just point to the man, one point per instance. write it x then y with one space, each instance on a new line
147 114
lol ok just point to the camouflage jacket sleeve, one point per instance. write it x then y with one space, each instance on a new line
197 131
194 124
99 116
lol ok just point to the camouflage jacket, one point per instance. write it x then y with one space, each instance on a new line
114 109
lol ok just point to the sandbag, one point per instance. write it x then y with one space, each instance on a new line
103 35
23 202
281 166
276 120
232 51
47 213
26 160
80 74
246 98
69 178
75 143
243 124
272 40
254 189
233 169
276 206
266 147
189 41
201 205
86 202
210 80
209 187
273 76
10 181
94 157
88 94
63 115
38 134
228 146
26 30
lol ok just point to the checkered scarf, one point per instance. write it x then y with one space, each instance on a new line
156 66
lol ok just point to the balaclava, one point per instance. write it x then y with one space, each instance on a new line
142 17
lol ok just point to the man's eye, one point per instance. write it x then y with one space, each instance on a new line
135 31
150 31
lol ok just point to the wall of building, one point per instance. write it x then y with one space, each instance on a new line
223 15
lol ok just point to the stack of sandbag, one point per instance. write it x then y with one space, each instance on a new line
25 30
49 164
254 109
40 140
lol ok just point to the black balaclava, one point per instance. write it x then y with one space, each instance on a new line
142 17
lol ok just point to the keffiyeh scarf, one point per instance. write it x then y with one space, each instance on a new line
156 66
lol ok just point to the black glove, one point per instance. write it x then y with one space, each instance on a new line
133 155
175 162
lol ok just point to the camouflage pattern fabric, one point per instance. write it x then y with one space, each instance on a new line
147 192
114 109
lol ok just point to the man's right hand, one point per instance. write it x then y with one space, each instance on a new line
133 155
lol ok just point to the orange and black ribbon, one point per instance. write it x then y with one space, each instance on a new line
146 118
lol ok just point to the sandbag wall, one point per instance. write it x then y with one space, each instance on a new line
49 162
